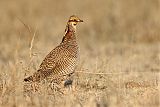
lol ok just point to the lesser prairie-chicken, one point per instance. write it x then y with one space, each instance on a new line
60 63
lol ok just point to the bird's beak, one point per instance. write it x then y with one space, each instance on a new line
80 20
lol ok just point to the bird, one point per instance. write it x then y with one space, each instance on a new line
59 65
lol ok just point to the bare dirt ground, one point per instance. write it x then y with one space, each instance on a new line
119 44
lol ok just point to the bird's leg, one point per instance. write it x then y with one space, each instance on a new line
69 86
68 83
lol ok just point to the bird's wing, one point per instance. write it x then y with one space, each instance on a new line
60 61
51 59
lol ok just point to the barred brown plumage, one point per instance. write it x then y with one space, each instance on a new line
61 61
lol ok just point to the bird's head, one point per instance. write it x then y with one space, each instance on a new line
73 20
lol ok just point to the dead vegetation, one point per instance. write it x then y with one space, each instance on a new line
120 52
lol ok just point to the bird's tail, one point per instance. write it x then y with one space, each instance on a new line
38 76
28 79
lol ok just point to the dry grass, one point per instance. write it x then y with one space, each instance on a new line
120 51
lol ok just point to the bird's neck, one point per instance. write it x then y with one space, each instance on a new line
70 34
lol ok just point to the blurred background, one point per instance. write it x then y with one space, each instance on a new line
130 21
117 36
105 20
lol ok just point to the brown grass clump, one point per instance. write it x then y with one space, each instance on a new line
120 52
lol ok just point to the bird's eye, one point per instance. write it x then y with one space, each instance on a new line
74 24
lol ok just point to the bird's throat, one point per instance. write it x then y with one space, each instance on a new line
69 34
